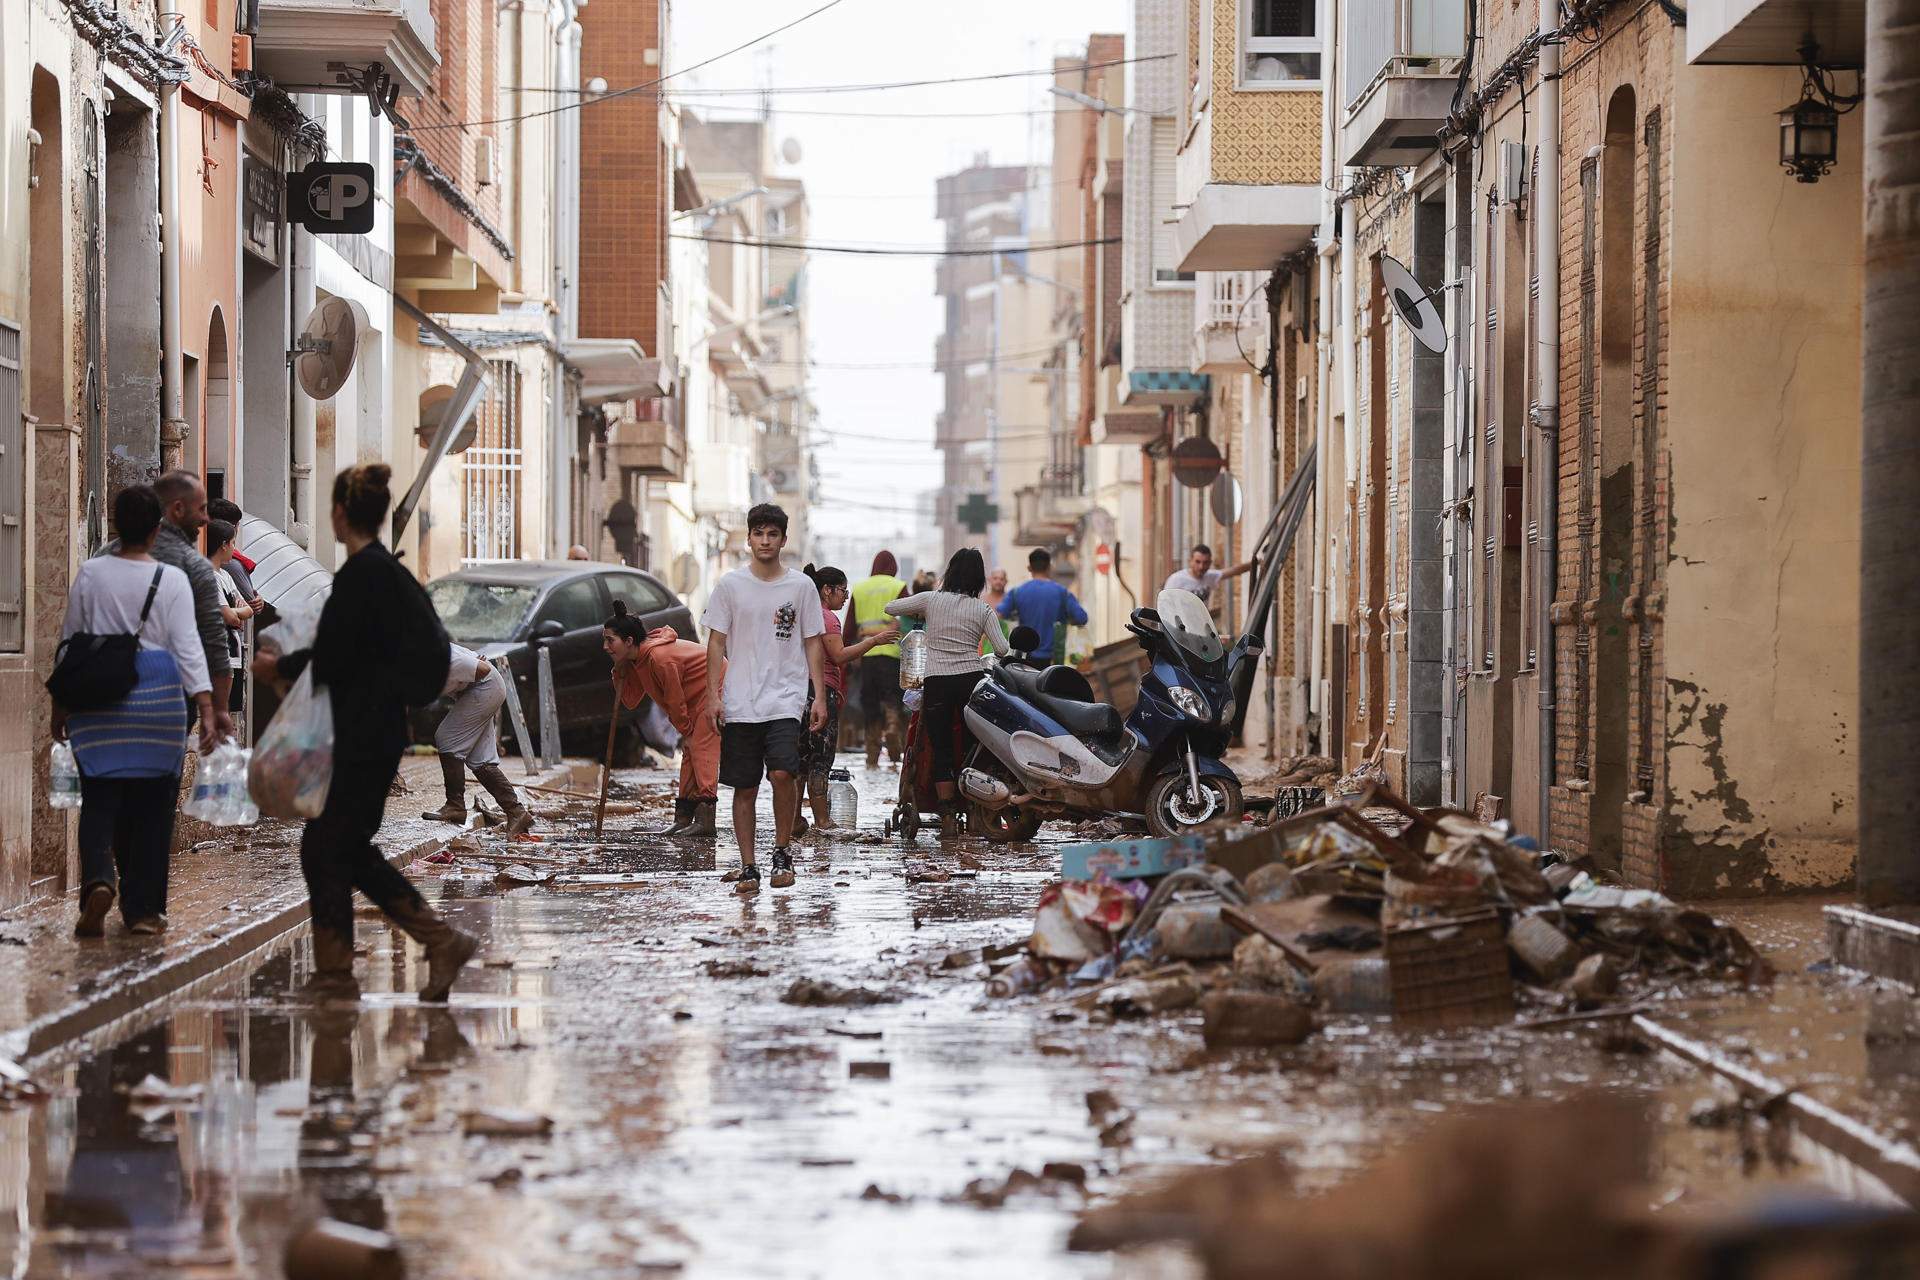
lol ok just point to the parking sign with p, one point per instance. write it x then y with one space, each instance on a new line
331 197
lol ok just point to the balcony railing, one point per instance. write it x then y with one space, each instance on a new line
1228 321
1381 32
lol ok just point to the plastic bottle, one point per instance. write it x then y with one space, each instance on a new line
843 802
913 659
206 779
63 778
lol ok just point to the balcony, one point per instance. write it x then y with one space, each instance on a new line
1403 59
1229 322
299 39
656 449
1771 31
722 485
1248 173
1042 518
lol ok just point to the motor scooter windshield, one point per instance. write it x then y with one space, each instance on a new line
1185 621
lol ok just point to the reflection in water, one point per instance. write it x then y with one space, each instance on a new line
125 1180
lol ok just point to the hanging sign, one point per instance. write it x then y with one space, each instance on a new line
1196 462
329 198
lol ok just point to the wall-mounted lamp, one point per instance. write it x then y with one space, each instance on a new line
1810 128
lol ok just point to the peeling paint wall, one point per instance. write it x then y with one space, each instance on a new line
1762 602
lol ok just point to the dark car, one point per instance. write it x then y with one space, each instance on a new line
505 610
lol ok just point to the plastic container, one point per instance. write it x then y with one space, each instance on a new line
913 659
63 777
1362 985
843 802
1547 953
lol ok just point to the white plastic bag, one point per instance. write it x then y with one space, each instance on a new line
63 778
206 781
293 765
220 788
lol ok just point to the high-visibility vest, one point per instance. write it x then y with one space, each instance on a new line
870 598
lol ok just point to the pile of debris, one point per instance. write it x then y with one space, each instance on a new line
1365 905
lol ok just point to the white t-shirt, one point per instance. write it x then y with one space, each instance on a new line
230 592
105 599
461 666
767 625
1183 580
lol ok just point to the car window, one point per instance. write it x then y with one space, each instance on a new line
574 605
641 596
479 612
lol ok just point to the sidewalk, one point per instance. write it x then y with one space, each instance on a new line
227 896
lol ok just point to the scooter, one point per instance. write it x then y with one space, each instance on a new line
1044 747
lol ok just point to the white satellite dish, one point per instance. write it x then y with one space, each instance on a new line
328 344
1414 304
790 151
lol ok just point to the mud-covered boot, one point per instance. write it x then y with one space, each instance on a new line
682 817
332 981
454 773
949 822
494 779
448 949
704 825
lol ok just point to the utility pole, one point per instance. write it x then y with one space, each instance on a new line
1888 870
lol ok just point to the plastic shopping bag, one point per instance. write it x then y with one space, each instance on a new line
293 765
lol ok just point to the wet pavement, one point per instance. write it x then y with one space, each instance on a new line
702 1126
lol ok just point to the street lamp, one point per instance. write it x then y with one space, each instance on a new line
1810 128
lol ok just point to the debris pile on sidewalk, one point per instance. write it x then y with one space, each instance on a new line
1365 905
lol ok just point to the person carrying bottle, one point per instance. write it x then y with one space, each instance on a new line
957 620
378 646
658 664
130 754
883 716
466 739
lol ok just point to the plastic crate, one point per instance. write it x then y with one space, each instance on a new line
1450 972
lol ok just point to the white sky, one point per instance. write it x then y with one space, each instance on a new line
870 180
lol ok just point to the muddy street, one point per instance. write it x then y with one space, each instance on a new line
623 1084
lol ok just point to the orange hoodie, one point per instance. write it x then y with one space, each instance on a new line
671 671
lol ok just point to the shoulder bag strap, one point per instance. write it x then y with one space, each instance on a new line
152 589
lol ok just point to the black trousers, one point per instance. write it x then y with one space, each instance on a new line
337 853
126 824
943 698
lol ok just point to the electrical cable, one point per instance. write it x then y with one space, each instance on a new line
918 84
621 93
901 251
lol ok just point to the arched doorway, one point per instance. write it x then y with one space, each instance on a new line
217 416
1612 764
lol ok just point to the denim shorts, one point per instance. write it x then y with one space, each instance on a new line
748 752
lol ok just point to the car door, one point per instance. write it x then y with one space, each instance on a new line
651 602
582 672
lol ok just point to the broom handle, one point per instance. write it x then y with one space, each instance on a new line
606 767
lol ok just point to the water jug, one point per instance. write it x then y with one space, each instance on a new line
843 802
913 659
63 778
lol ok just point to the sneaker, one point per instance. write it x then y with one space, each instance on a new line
148 926
747 879
782 869
94 905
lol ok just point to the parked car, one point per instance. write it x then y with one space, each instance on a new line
503 611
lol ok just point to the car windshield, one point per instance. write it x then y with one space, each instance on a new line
1185 621
479 612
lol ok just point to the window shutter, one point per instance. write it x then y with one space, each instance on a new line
13 494
1165 160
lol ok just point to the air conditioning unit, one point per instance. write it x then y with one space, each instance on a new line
486 162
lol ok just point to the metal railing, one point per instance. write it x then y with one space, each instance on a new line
1380 32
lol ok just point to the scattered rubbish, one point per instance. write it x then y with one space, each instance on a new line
1156 993
506 1123
1249 1019
155 1091
873 1192
967 862
733 969
1542 949
1080 919
1195 931
873 1070
709 942
1354 986
1271 883
825 1162
1449 972
1129 859
926 873
1597 977
518 873
851 1034
992 1193
330 1250
1018 979
814 992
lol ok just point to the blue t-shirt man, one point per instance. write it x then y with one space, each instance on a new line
1042 603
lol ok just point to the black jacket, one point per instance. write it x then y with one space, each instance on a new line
361 629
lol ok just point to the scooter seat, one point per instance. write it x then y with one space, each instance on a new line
1087 719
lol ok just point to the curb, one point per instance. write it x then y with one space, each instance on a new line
87 1016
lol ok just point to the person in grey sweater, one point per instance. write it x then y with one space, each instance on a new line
957 621
183 502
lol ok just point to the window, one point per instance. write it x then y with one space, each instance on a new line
1279 45
491 472
640 595
575 605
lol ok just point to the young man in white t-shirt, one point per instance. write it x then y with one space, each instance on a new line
763 654
1200 577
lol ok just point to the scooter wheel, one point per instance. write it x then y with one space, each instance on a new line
1002 826
1170 811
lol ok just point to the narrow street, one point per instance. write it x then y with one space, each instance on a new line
702 1125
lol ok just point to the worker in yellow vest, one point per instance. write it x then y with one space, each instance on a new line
879 671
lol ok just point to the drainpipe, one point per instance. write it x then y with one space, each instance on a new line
1323 357
1546 398
1349 367
565 272
173 417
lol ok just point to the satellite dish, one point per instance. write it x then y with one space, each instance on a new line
790 151
1223 497
328 344
1414 304
686 573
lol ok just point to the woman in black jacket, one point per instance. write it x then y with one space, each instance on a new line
373 623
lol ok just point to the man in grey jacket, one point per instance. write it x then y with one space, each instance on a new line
183 504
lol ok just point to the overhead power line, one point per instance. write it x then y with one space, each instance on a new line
638 88
878 250
918 84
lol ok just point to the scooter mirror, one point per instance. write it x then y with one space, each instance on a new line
1024 639
1148 618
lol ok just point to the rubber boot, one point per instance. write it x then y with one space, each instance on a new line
494 779
949 821
454 773
332 981
448 949
703 825
682 817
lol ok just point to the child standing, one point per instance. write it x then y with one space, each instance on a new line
763 654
